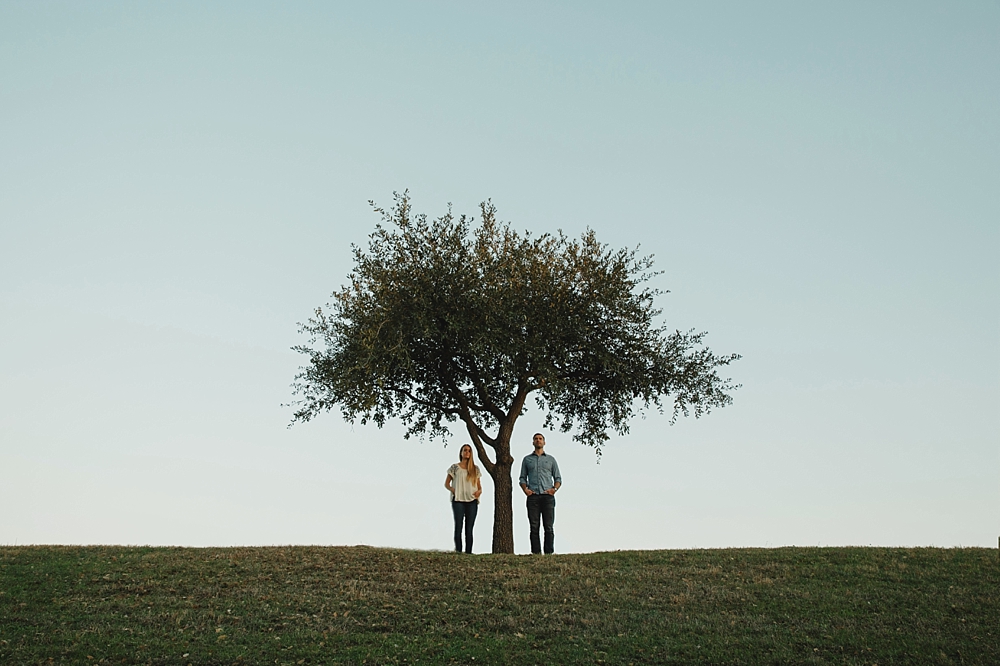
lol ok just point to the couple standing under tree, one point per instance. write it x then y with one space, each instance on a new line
539 479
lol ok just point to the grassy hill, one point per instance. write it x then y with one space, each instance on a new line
311 605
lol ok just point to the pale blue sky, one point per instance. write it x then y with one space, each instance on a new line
180 184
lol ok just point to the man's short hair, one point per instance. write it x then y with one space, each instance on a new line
538 434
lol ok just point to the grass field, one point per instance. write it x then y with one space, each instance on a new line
311 605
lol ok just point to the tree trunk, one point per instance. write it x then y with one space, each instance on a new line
503 514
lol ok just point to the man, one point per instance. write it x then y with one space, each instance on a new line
540 479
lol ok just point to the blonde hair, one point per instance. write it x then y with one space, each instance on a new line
471 471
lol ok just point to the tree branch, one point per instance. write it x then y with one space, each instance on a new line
426 403
486 438
523 388
484 396
476 433
485 403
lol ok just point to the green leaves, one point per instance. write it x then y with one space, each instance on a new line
451 319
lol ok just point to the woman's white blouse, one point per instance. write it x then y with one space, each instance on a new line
464 489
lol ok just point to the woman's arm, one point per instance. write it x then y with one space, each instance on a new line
479 488
447 484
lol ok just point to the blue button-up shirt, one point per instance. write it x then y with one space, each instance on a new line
540 473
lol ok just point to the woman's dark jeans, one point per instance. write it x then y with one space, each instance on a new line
464 511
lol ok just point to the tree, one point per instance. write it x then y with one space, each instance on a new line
446 321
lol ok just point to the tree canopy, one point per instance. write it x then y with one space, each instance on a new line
448 320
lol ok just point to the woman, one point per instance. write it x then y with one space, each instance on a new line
463 482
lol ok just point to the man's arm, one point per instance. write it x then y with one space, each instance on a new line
556 477
523 478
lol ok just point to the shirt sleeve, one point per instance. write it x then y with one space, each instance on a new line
524 471
556 476
451 472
